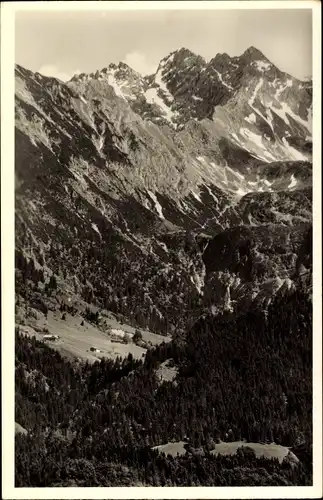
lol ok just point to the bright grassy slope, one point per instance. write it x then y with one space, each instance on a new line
76 340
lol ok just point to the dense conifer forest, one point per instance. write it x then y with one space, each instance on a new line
245 377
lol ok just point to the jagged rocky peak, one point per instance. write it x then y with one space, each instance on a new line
177 72
251 58
248 101
120 70
122 67
78 77
180 59
252 54
220 60
111 66
194 138
187 57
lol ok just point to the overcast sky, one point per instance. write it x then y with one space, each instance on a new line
64 43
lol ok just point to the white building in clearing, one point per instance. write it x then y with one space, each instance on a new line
117 332
51 337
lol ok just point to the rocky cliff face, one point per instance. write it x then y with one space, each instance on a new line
164 196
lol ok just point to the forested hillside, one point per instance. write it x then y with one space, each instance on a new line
238 378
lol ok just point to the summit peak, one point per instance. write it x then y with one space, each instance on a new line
253 53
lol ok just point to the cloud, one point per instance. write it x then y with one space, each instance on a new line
52 70
139 62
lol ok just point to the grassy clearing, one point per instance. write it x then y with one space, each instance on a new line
271 450
173 449
147 336
166 373
76 340
19 429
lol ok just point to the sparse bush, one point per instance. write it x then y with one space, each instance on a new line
126 339
91 316
137 336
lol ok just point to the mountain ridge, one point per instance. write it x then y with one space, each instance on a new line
163 276
166 97
97 160
250 53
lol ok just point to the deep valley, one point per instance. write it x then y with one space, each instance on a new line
163 275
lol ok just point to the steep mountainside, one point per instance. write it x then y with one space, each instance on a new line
180 203
168 196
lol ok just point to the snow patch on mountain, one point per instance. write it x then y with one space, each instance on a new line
241 192
198 280
293 182
251 118
261 65
116 87
162 85
99 140
196 196
257 139
282 87
286 110
158 206
255 92
258 142
251 103
211 193
96 229
221 79
152 97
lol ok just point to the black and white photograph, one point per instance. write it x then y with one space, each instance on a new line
164 171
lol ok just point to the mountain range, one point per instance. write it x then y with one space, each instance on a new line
163 231
130 188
